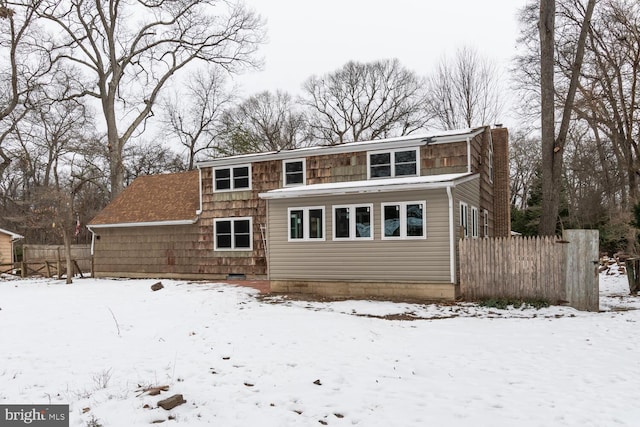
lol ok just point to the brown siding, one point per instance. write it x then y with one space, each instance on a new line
443 158
6 257
423 260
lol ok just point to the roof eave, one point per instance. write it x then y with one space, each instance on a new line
392 143
382 188
143 224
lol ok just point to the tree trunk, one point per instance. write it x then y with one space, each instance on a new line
550 197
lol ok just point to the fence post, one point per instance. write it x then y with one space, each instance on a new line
633 274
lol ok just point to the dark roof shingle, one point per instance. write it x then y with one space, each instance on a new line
153 198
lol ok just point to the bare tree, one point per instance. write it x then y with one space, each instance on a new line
128 52
465 92
553 144
150 158
365 101
524 162
19 68
195 117
264 122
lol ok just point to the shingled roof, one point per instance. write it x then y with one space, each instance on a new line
154 198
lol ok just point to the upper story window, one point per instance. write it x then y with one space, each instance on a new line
294 172
352 222
393 163
232 178
404 220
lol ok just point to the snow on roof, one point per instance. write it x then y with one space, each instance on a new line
14 236
371 185
437 137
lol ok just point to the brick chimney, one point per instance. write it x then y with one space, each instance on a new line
501 198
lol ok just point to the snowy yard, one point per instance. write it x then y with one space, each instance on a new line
243 361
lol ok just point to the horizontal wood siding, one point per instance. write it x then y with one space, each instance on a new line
6 256
423 260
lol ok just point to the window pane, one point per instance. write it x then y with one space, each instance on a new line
223 227
242 241
406 169
315 223
391 220
380 165
341 222
380 159
405 162
223 241
363 221
241 177
296 224
415 224
241 226
223 179
293 167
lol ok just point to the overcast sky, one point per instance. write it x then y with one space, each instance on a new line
315 37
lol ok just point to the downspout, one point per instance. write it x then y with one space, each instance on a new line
93 239
452 237
199 190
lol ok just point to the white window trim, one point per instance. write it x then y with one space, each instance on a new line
464 218
474 222
232 248
304 172
393 163
305 218
231 168
403 220
485 225
352 221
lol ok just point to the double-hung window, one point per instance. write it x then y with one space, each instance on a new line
233 234
294 172
464 219
232 178
353 222
474 222
306 224
404 220
394 163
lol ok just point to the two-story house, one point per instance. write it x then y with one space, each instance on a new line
372 218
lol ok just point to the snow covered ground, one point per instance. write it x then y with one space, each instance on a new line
240 360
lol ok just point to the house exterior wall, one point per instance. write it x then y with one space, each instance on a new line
6 253
417 268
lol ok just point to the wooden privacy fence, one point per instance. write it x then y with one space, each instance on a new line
543 268
49 260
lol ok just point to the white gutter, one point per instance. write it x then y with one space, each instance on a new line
144 224
452 237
